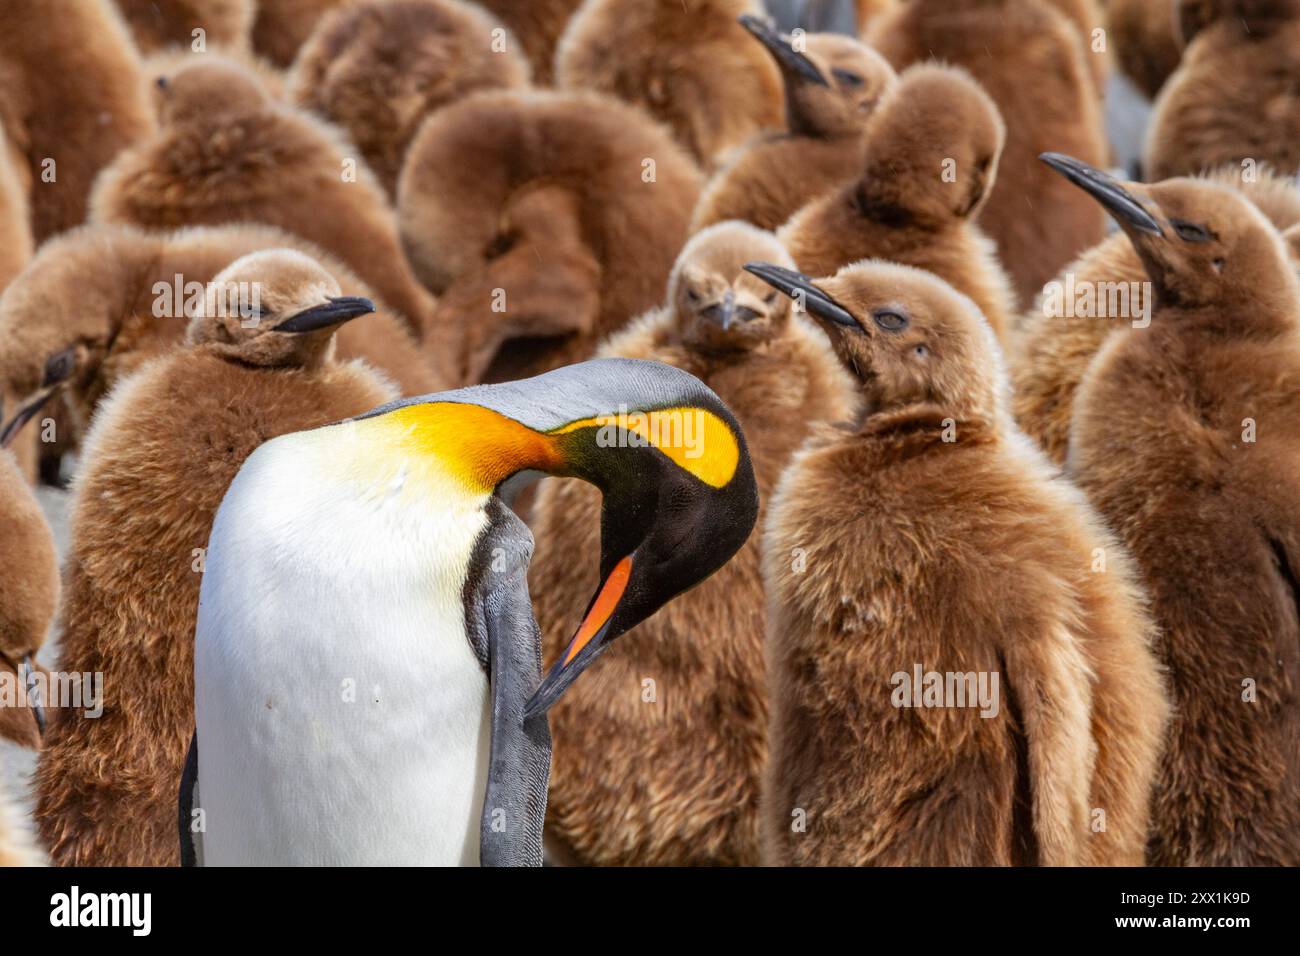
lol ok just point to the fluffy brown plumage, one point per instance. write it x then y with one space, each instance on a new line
226 152
1027 55
573 205
378 68
769 179
15 846
1053 351
70 93
162 452
157 24
29 591
932 533
1146 41
283 26
675 781
930 160
538 25
108 296
15 250
688 63
1236 95
1187 439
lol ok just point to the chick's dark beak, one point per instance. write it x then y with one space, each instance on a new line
1123 206
335 311
800 288
26 412
791 61
722 312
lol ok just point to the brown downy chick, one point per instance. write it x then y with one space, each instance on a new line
930 161
226 152
1236 96
71 98
680 784
1187 438
689 64
938 549
97 304
1100 294
832 87
163 449
543 221
538 25
29 596
1027 55
378 68
1146 39
159 24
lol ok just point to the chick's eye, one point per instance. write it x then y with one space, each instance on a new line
692 295
1190 231
890 320
846 77
769 298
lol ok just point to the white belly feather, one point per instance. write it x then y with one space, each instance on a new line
342 716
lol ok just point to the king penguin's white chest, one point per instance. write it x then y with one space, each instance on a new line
342 715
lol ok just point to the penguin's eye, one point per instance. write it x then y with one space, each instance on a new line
692 296
1190 231
846 77
769 298
890 320
58 367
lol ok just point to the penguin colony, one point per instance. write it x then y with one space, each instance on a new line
921 519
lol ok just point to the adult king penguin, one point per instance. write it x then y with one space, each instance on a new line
366 657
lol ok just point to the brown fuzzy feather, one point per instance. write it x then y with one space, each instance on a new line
545 196
97 289
70 92
675 782
163 450
1234 98
1053 352
15 251
29 589
901 209
283 26
772 177
538 24
688 63
157 24
970 555
228 153
378 68
1027 55
1212 518
1145 37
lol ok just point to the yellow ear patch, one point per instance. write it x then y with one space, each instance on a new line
477 446
694 439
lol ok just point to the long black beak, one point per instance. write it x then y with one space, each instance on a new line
26 412
29 682
792 62
565 673
1122 205
800 288
724 312
336 311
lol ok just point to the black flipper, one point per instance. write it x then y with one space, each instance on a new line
185 803
505 636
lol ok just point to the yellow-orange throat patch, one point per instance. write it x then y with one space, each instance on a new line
480 447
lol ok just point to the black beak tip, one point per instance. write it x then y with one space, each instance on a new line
335 311
1107 190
